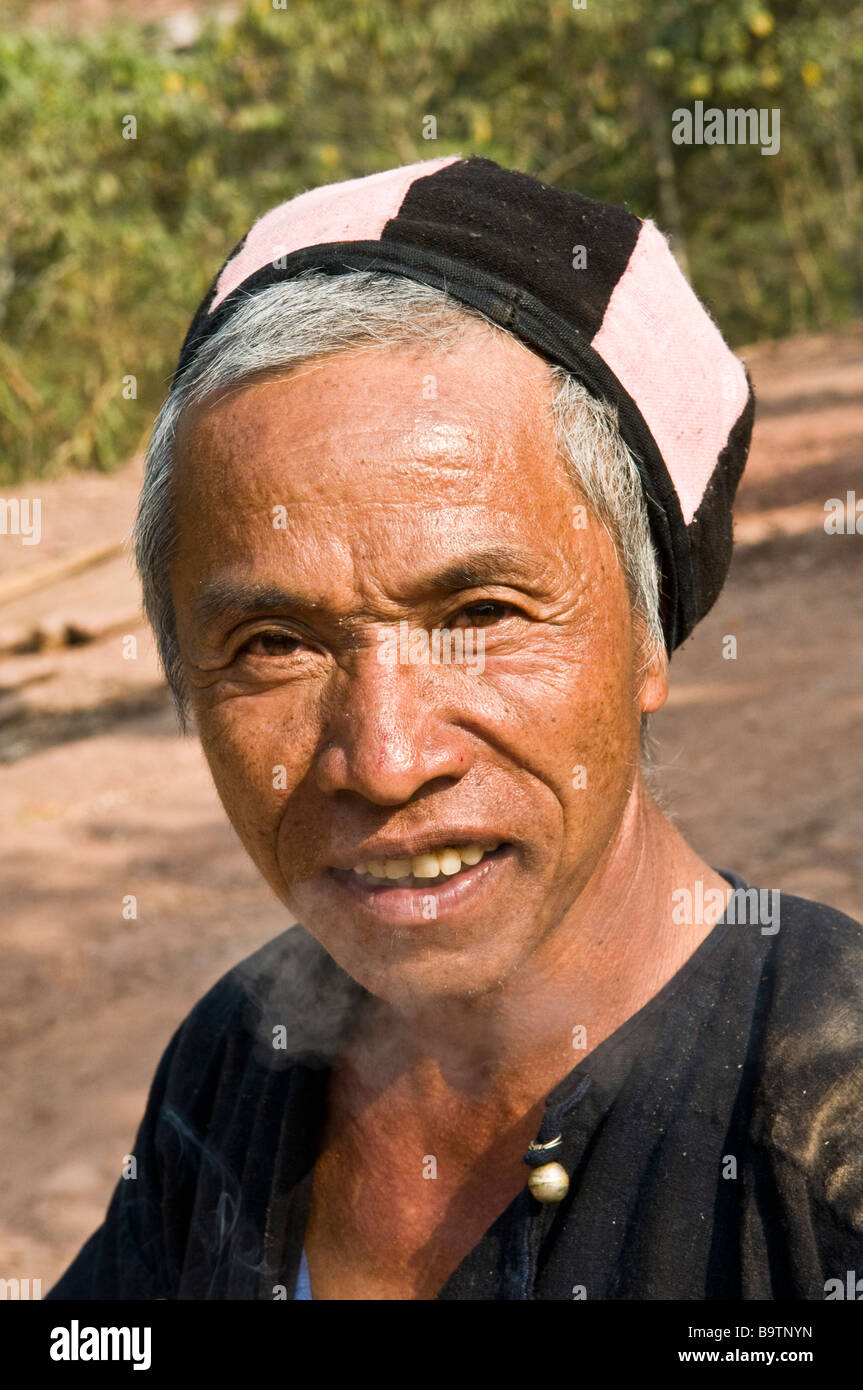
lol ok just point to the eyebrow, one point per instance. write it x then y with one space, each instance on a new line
228 599
225 598
494 564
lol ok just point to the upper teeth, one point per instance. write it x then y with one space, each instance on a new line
428 865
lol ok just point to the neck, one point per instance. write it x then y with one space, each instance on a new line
605 957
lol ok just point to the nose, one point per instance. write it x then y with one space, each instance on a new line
390 730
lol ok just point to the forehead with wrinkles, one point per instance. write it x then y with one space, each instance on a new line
379 461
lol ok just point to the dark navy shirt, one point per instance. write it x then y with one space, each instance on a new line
714 1142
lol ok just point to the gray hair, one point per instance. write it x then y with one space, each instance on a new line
296 321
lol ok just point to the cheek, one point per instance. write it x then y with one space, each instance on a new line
593 739
256 760
606 742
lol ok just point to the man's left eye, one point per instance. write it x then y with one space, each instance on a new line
273 643
483 613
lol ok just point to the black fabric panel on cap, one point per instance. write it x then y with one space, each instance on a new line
711 529
199 327
510 225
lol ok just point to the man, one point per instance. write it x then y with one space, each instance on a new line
526 1043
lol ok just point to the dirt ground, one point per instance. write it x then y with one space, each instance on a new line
760 764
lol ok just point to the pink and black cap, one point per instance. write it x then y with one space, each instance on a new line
626 323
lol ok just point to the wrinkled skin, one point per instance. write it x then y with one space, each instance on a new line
381 488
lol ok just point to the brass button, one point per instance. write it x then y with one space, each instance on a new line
549 1182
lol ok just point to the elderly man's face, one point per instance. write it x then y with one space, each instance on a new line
318 511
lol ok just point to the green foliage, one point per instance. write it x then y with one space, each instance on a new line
107 244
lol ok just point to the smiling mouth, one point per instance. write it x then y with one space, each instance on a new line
425 870
442 870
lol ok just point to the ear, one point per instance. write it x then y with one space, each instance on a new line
654 691
652 671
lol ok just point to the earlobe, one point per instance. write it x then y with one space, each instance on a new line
651 674
654 690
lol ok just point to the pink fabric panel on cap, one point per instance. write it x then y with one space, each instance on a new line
668 353
356 210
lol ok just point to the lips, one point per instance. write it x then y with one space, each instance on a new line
442 874
451 898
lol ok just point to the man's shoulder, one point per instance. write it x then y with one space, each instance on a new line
804 958
285 1003
291 984
239 996
817 956
811 979
811 1064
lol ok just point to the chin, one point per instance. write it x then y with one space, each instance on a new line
421 983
